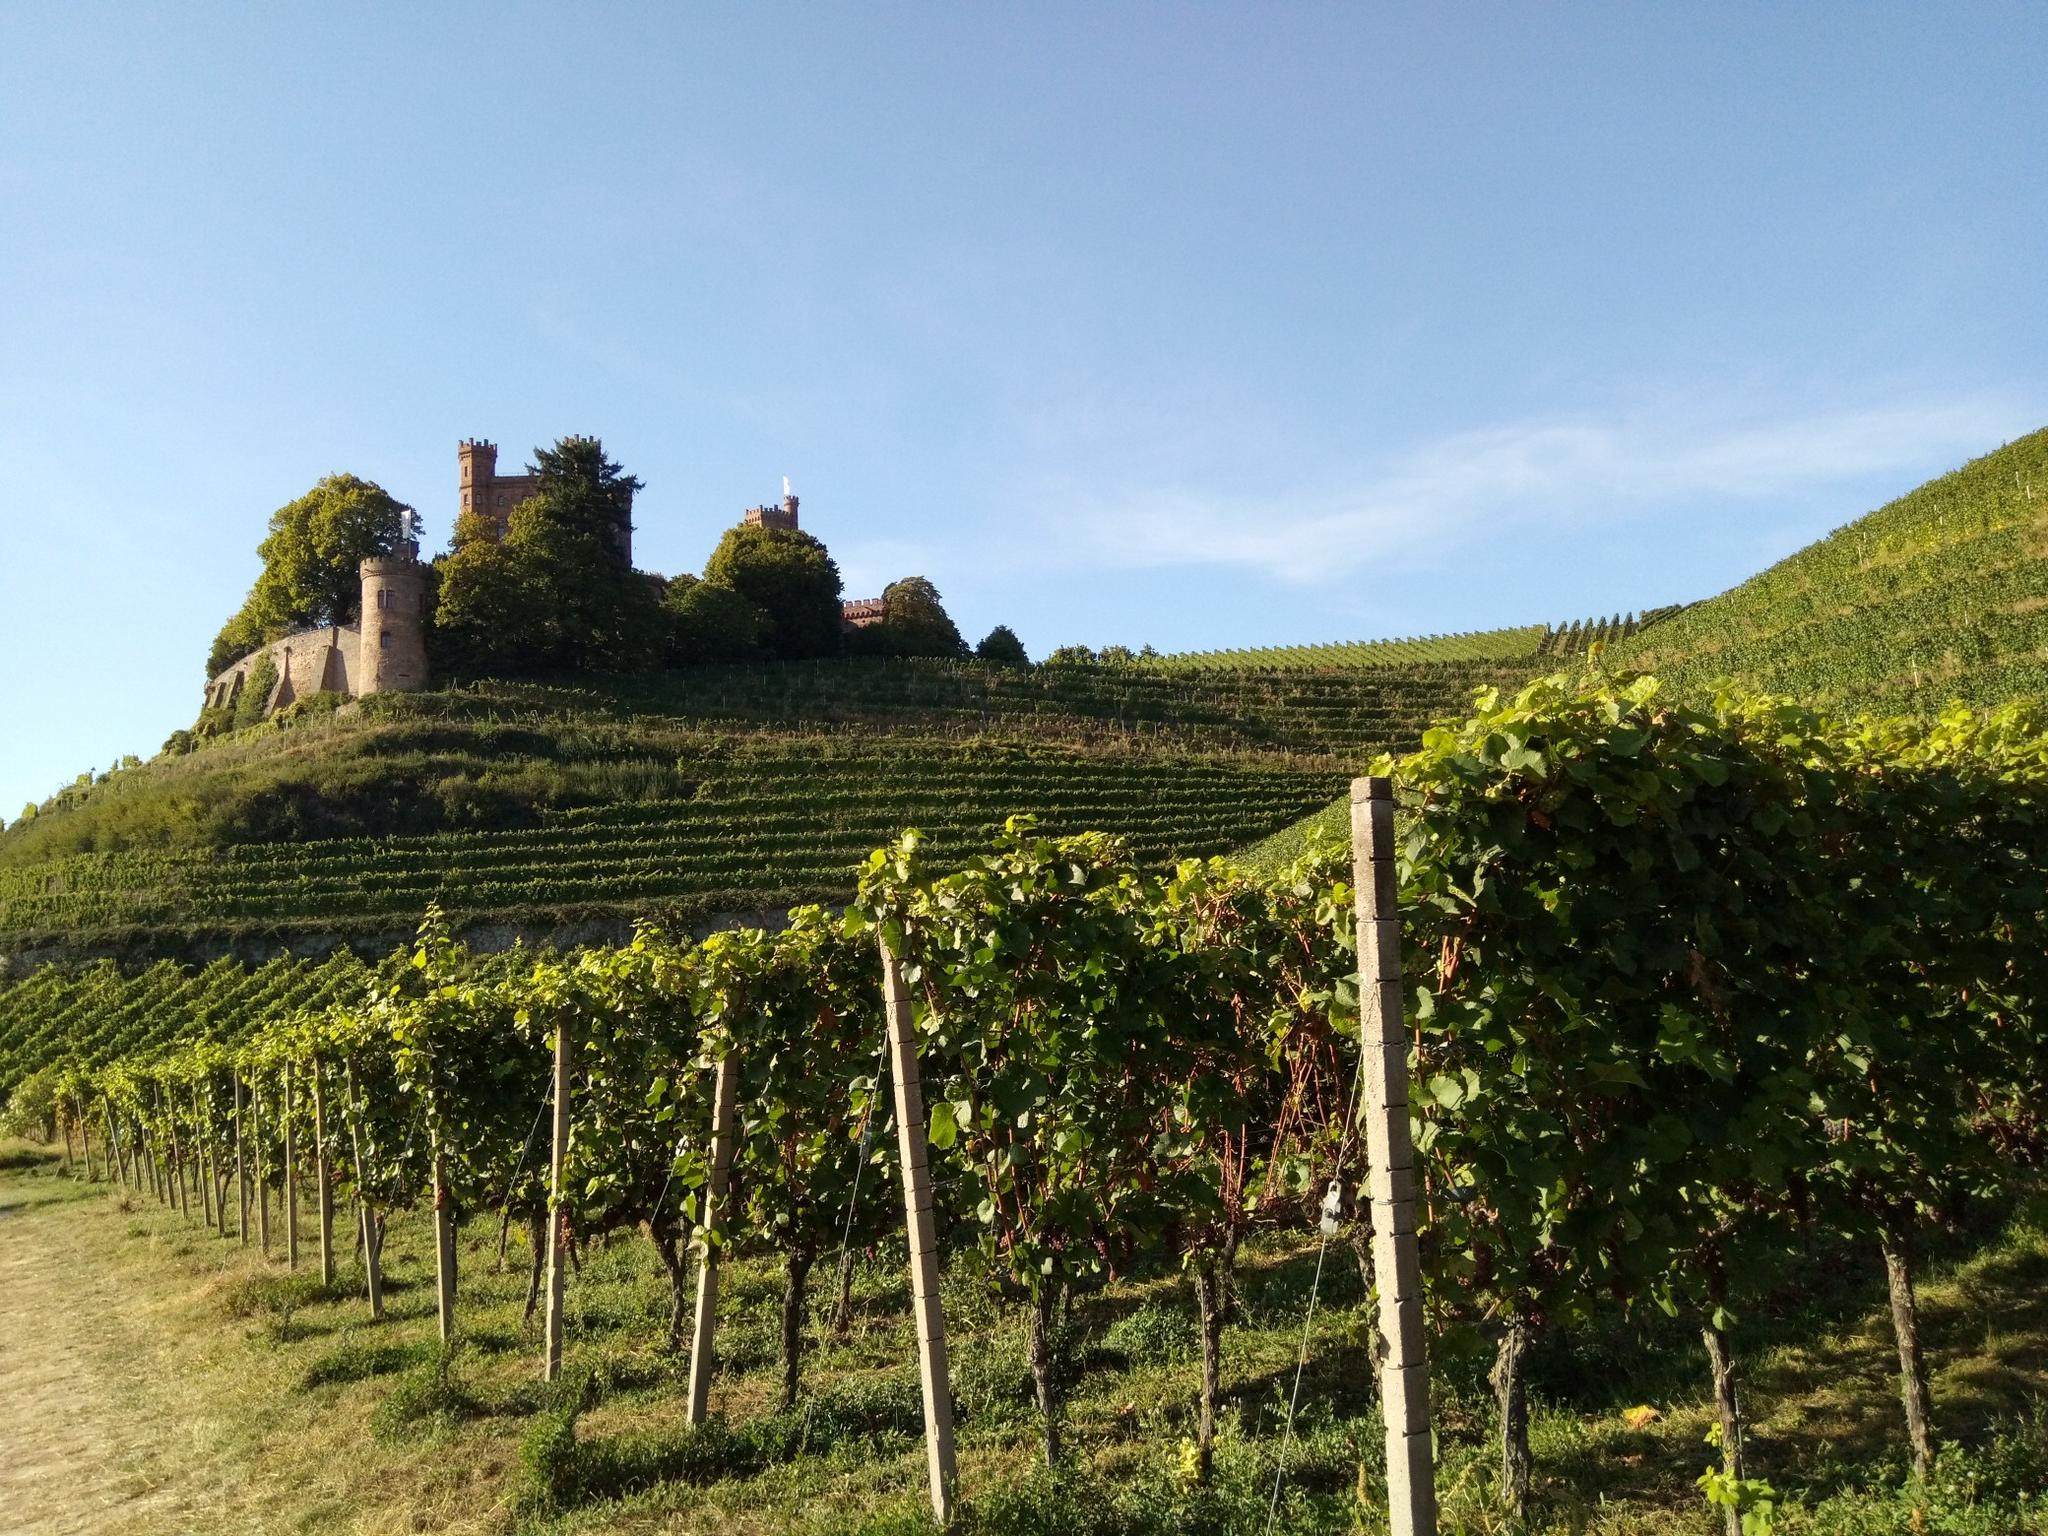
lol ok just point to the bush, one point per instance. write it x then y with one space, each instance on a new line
254 699
1154 1334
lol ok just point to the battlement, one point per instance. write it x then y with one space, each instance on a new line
783 517
860 612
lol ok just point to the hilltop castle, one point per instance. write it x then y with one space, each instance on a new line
385 650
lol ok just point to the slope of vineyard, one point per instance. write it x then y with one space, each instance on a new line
1520 643
1941 594
696 794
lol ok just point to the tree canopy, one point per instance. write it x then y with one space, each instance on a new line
1001 646
914 623
787 575
707 622
559 592
311 563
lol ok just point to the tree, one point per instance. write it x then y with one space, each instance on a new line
575 535
559 593
312 560
1071 656
914 623
787 575
1001 646
493 615
707 622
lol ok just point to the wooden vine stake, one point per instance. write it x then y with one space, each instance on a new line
723 1091
373 1275
558 1206
444 1245
262 1177
924 1243
290 1194
323 1178
120 1163
241 1170
202 1169
1390 1163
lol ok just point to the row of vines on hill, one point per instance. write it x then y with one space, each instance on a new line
1689 986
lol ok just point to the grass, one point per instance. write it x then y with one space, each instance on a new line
249 1399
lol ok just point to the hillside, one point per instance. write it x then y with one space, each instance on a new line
685 797
1941 594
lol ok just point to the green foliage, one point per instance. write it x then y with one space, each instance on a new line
559 592
311 563
1940 595
711 623
1002 647
914 623
1521 644
787 575
32 1105
253 702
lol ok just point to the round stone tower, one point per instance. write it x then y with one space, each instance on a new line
393 657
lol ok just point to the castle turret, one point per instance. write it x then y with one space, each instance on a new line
393 658
483 489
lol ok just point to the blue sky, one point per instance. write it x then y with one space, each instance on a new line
1195 325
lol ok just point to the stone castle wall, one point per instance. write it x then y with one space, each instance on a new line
309 662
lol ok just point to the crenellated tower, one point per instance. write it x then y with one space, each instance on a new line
392 654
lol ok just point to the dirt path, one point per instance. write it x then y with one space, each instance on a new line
69 1460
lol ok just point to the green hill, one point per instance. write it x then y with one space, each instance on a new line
1942 594
685 797
694 794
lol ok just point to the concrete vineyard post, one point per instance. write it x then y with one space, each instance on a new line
922 1230
291 1176
558 1205
323 1177
64 1164
373 1277
1390 1162
724 1088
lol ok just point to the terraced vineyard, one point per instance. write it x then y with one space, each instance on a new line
1942 594
1520 643
765 831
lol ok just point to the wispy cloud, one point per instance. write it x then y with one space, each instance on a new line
1496 479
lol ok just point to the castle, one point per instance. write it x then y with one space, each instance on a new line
385 651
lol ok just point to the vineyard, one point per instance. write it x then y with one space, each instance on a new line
700 794
1940 595
1698 995
761 831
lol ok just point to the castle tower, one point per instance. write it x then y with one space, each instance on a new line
483 489
783 516
393 654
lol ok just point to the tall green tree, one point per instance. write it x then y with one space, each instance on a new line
914 623
559 593
787 575
311 563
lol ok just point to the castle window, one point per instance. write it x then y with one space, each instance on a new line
465 498
503 498
384 639
383 597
